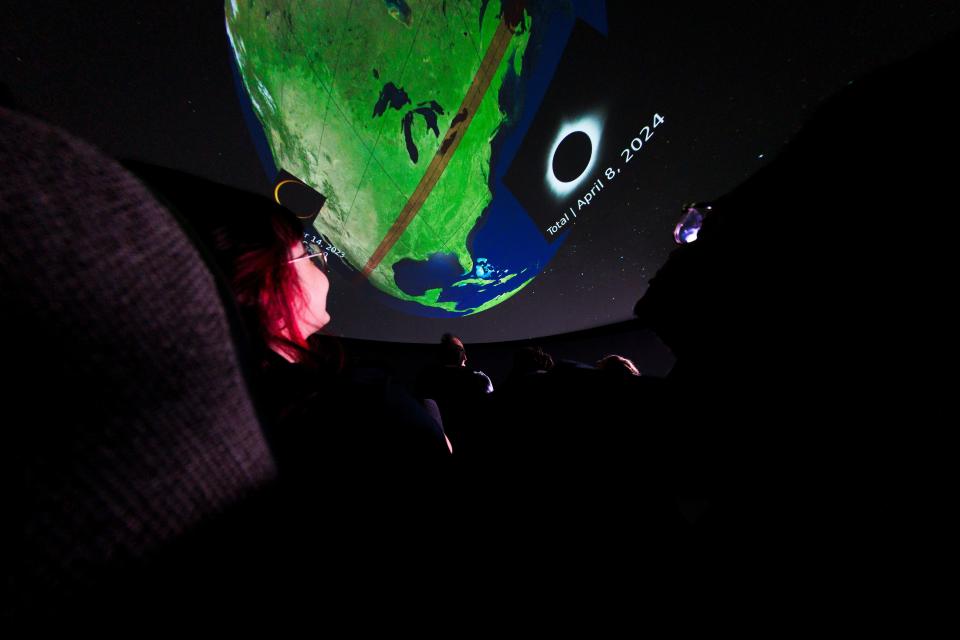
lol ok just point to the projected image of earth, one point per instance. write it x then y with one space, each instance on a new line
394 110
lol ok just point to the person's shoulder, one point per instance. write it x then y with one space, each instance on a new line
394 422
482 380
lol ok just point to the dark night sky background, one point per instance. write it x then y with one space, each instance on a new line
153 81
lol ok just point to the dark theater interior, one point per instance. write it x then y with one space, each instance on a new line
445 314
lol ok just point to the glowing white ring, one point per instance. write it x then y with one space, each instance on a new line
589 125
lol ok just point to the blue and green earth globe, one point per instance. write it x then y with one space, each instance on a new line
405 115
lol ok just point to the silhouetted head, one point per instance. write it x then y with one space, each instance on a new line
452 352
617 365
531 359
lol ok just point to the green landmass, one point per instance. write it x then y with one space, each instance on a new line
315 72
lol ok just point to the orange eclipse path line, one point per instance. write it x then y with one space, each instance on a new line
451 140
